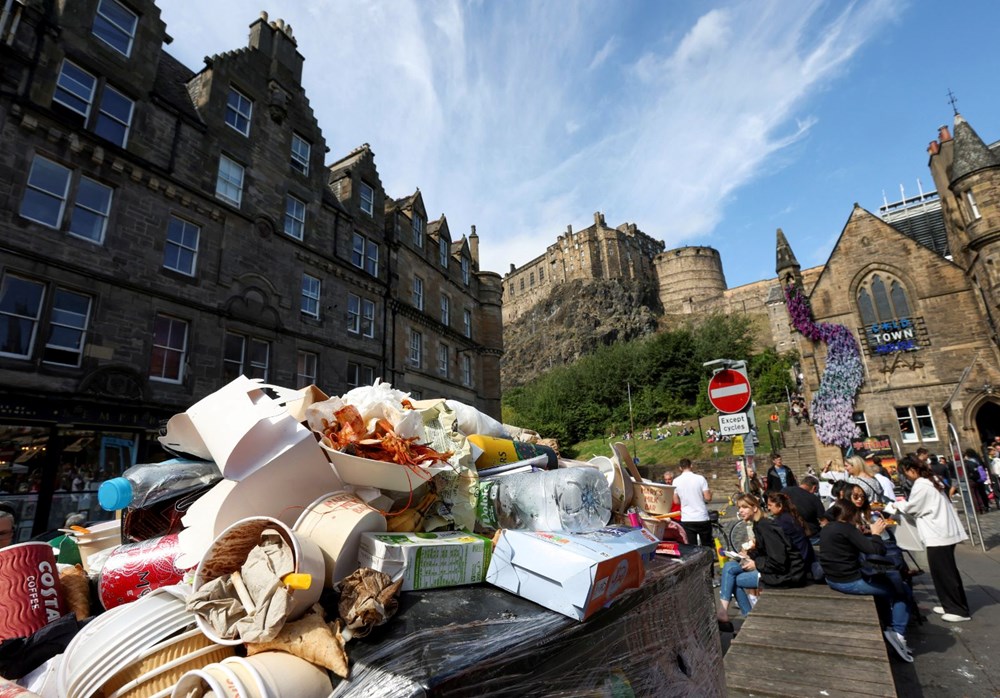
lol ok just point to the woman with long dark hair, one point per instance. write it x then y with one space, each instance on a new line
796 530
840 548
940 530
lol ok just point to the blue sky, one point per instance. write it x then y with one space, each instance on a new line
705 123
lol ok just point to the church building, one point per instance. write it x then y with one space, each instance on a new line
925 319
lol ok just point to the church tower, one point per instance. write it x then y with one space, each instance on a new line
787 267
967 174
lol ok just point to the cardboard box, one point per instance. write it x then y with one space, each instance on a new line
427 560
571 573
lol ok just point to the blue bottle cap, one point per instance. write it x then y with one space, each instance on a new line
114 494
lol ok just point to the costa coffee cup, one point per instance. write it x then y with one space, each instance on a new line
30 593
135 569
335 523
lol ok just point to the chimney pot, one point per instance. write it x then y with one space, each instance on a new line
933 148
943 134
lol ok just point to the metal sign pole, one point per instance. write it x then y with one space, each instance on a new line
968 502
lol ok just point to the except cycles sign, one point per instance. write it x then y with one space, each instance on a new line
729 391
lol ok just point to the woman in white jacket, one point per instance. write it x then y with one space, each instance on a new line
940 530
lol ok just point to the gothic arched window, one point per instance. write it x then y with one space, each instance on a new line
877 303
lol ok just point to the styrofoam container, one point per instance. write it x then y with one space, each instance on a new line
335 523
229 551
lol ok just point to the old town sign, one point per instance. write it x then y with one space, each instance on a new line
902 334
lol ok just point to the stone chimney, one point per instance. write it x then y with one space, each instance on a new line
599 219
933 148
943 134
275 40
474 247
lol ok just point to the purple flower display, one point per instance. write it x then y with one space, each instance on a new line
833 404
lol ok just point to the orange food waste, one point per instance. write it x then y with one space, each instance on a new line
349 434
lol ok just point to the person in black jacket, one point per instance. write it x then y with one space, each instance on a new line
787 517
840 548
809 505
769 558
778 476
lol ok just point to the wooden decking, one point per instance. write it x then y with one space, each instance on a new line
811 641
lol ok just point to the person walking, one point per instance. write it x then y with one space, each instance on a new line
692 493
940 530
778 476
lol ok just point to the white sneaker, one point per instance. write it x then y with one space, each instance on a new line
939 610
955 618
898 643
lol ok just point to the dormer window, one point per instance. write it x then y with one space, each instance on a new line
418 230
239 107
443 252
367 199
115 25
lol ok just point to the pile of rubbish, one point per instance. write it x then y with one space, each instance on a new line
288 523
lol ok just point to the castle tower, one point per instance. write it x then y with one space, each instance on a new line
690 279
970 173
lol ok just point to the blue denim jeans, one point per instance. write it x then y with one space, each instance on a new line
735 581
884 593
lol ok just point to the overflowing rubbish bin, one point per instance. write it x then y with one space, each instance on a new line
296 544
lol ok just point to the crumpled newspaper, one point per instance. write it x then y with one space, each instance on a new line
368 598
257 611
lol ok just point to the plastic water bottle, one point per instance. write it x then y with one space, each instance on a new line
567 499
155 496
147 483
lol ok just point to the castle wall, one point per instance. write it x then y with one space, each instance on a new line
597 252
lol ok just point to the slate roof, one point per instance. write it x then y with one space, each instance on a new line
170 85
971 153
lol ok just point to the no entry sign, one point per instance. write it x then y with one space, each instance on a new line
729 391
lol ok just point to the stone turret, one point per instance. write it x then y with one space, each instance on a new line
690 279
786 266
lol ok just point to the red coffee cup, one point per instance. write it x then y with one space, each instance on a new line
135 569
30 593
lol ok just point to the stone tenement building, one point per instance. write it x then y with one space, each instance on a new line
926 320
165 230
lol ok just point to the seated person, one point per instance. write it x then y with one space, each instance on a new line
841 547
769 557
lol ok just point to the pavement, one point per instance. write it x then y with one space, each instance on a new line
953 660
958 659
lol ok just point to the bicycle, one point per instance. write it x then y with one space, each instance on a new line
731 535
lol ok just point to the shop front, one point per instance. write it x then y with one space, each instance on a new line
55 452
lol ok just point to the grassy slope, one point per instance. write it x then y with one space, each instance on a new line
673 448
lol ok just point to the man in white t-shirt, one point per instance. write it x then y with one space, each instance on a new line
692 493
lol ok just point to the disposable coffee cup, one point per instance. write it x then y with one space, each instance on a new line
252 680
230 550
335 523
135 569
30 592
287 675
198 682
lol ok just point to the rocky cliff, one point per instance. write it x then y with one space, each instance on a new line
576 319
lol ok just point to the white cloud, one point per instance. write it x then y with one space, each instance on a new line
498 111
604 53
